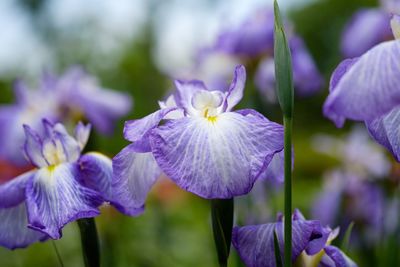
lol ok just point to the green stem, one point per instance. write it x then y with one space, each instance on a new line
222 223
90 242
287 122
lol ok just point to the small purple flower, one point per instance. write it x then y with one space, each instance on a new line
68 99
64 187
208 150
255 243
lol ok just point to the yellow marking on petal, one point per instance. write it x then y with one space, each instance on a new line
51 168
212 119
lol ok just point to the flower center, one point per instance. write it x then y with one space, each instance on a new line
208 103
53 152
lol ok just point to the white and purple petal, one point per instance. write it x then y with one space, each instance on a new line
217 159
236 88
138 131
385 130
367 88
95 172
55 197
82 133
334 257
185 92
134 175
14 231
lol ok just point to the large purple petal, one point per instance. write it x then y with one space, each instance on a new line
95 172
367 28
385 130
134 175
236 88
14 231
13 192
220 158
369 88
138 131
334 257
55 198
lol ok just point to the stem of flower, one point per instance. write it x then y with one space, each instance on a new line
90 242
287 122
222 223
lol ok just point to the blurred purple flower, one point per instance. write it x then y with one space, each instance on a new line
255 243
69 98
64 187
205 148
367 28
343 200
253 42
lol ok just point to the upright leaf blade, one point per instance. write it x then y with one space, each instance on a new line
222 223
283 66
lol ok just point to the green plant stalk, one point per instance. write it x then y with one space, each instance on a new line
90 242
222 223
287 122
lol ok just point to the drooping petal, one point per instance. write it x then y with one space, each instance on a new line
82 133
13 192
14 231
275 170
55 198
334 257
218 158
134 175
236 88
95 172
385 130
138 131
255 244
367 28
369 88
33 147
185 92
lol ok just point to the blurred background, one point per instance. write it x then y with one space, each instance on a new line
139 47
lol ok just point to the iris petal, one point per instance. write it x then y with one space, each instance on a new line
236 88
13 191
138 131
369 88
14 231
33 147
134 175
218 158
385 130
55 198
95 172
334 257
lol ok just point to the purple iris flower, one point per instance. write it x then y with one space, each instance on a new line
343 200
253 42
255 243
69 98
64 186
201 144
366 89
